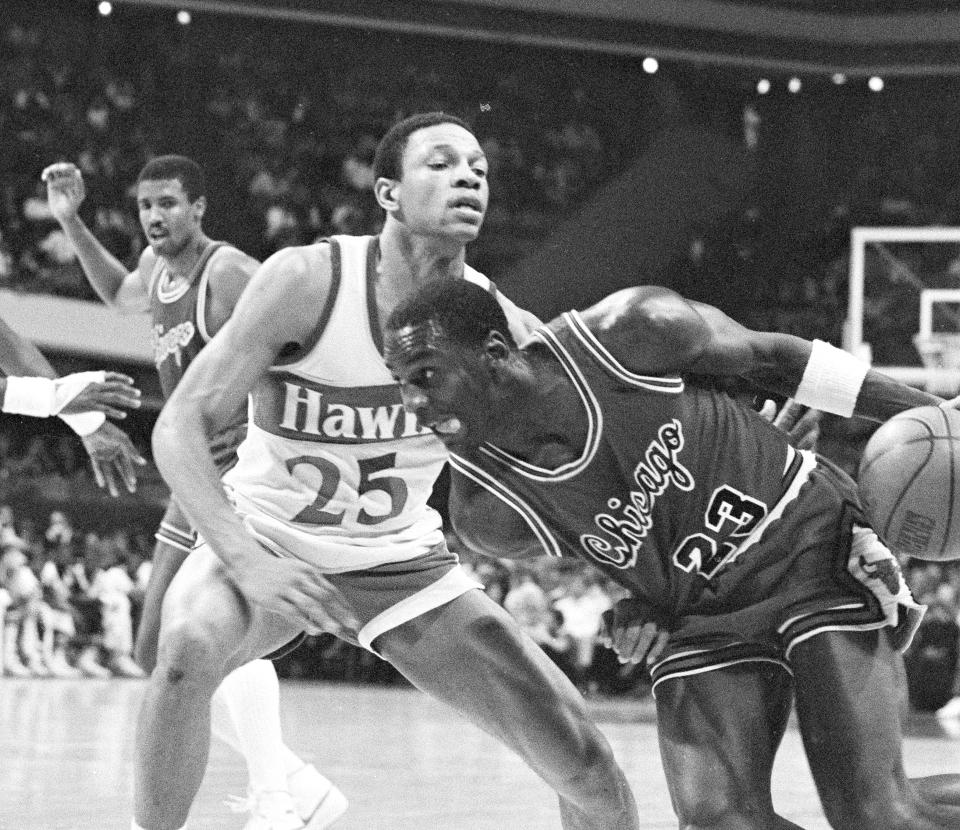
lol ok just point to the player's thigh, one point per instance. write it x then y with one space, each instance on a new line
471 654
719 732
847 688
203 605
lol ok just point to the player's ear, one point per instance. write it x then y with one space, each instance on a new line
199 207
386 192
496 346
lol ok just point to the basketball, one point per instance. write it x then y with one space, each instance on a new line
909 483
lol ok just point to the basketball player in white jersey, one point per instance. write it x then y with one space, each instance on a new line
190 285
324 523
82 401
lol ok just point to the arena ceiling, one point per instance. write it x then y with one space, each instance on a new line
858 37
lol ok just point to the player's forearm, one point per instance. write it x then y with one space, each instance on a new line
823 377
882 397
182 454
103 270
18 356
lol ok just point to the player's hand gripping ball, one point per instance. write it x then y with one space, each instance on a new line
909 483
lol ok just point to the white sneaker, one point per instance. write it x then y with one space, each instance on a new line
318 802
13 667
59 667
122 665
89 667
268 811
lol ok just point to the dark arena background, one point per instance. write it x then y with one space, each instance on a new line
793 162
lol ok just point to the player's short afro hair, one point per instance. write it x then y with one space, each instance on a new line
185 170
466 312
388 159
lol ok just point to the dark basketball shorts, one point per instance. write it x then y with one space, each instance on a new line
841 577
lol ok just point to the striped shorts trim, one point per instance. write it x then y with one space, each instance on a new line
698 661
446 589
176 537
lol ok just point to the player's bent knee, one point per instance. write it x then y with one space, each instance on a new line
874 810
701 808
190 651
591 782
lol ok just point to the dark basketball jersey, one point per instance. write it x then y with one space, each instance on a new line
179 332
673 491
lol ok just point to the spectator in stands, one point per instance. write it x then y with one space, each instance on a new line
57 616
21 630
582 601
112 586
78 579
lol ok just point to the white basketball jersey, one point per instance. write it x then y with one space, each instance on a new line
333 470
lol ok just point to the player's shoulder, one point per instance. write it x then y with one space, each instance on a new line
297 274
314 259
648 329
652 305
232 255
228 260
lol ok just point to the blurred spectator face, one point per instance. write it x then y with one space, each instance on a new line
168 217
443 190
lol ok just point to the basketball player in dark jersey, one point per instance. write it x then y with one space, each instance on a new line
753 555
82 401
190 285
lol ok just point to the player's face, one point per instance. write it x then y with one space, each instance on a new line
447 387
443 190
168 217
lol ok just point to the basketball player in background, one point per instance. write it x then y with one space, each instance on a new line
82 401
754 556
327 523
190 285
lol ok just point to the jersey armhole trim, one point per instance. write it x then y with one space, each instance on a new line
202 287
546 538
376 332
600 353
335 278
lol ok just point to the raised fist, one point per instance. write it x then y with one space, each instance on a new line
65 189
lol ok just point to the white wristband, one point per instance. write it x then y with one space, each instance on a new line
30 396
83 423
832 380
69 386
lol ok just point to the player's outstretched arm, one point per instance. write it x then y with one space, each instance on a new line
105 393
116 286
657 331
487 525
281 306
18 356
82 400
111 393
